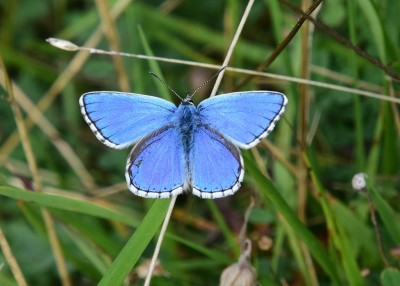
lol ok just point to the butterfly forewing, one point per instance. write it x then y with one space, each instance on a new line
120 119
244 117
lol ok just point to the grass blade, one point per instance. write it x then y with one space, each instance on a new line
69 204
135 246
270 193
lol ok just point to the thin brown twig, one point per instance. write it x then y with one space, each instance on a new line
277 154
395 111
305 101
243 230
284 43
326 29
376 229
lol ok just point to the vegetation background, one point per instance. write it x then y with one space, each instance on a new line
66 217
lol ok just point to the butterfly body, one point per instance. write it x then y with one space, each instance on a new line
185 120
184 148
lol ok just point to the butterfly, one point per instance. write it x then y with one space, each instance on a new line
186 147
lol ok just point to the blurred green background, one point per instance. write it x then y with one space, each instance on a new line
307 227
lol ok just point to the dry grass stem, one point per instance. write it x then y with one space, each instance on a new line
37 186
159 241
110 31
63 79
232 46
12 262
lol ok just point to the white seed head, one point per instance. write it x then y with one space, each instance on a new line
240 273
359 182
265 243
143 269
63 44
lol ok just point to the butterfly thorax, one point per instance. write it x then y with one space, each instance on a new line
184 120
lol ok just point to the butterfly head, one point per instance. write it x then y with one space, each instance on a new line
188 99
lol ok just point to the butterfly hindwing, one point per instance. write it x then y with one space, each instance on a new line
155 167
216 164
244 117
120 119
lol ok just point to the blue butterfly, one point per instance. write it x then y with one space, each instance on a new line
183 148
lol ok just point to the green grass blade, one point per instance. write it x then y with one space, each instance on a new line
135 246
6 281
230 238
375 150
270 193
358 116
389 217
154 67
375 25
100 262
70 204
337 232
194 32
390 277
221 258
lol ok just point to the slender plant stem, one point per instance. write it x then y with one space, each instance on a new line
345 42
37 186
243 230
376 229
159 241
232 46
330 86
62 80
110 31
11 261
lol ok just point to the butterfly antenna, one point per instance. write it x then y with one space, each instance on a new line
170 88
206 82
